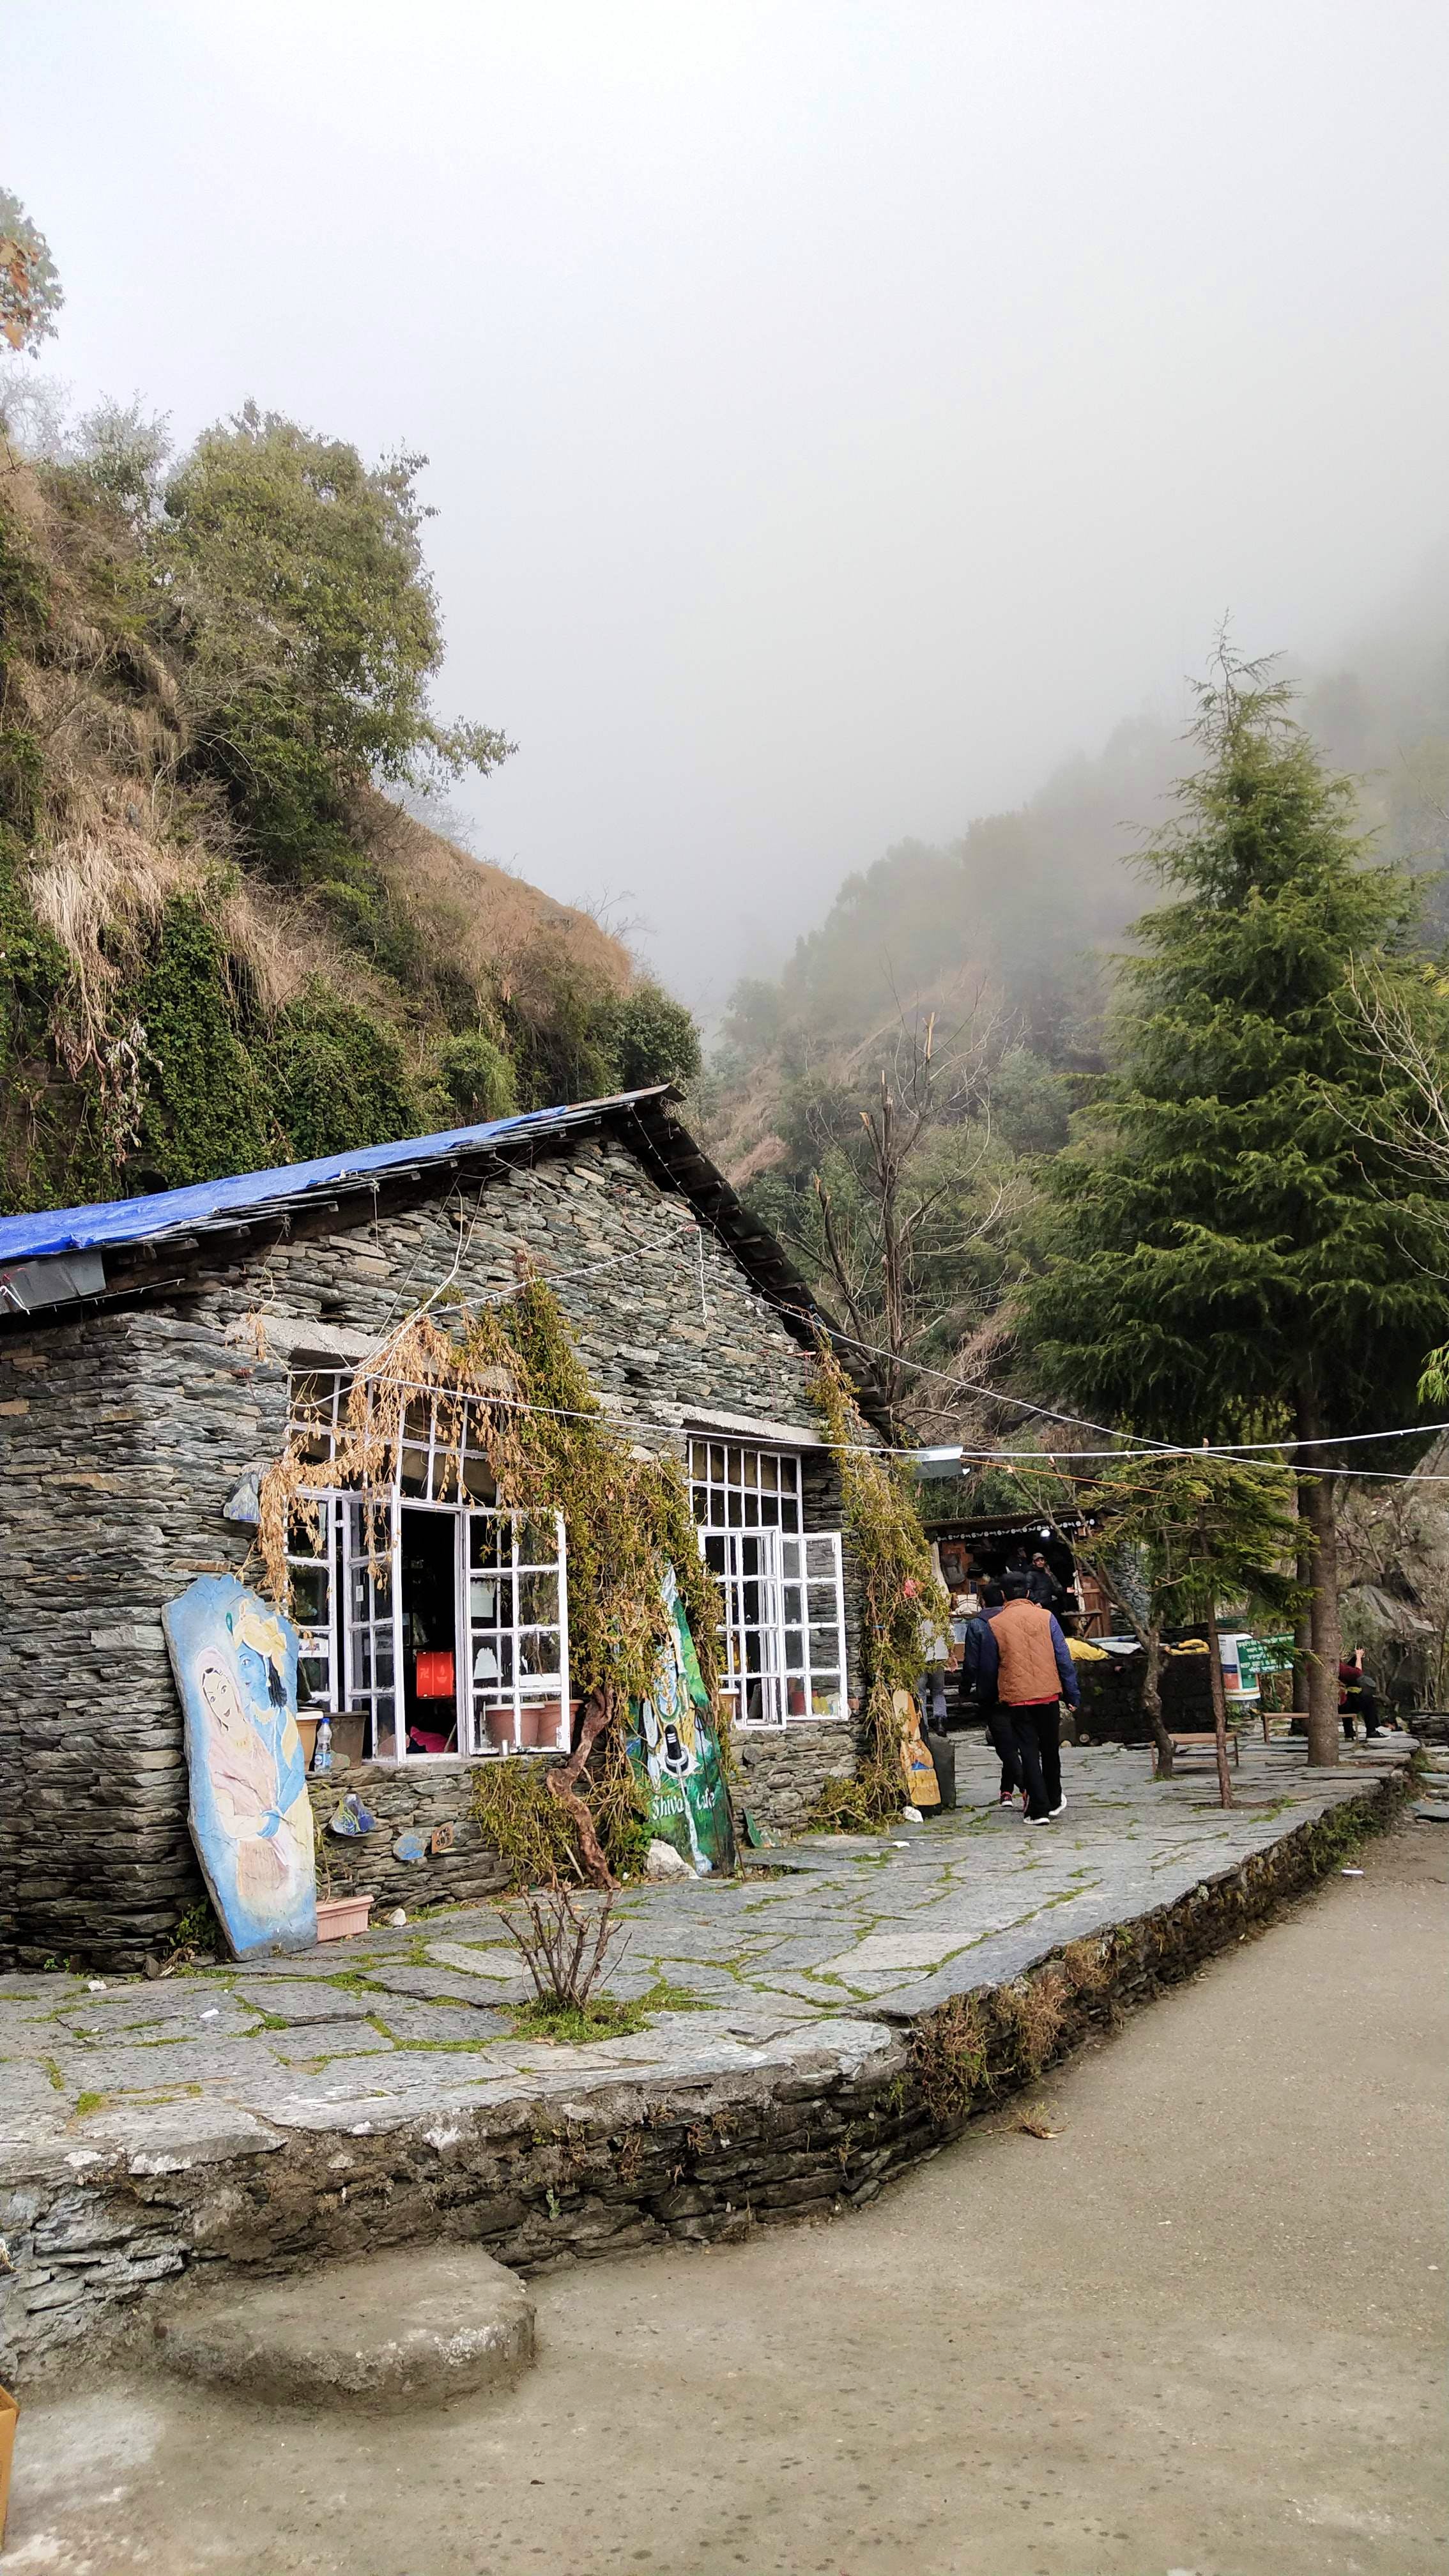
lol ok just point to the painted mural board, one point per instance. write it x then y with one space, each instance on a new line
674 1748
235 1661
923 1789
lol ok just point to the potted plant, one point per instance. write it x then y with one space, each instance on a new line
339 1917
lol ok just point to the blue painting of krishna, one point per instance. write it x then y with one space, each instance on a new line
235 1661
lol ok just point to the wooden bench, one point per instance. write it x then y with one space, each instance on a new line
1196 1743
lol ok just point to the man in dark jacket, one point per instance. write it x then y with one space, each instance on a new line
995 1718
1024 1656
1043 1585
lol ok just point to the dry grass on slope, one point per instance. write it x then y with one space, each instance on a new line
504 933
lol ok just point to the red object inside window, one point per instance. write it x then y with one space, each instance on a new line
435 1676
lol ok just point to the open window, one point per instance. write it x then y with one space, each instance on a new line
427 1610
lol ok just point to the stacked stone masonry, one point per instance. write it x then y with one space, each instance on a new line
572 2161
123 1433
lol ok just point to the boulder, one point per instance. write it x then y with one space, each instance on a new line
411 2327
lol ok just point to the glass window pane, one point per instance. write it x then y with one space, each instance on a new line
538 1600
309 1595
490 1542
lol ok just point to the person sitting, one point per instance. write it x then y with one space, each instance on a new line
1357 1695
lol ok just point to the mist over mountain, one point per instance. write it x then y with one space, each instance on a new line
1033 901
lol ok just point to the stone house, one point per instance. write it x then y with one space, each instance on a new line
153 1354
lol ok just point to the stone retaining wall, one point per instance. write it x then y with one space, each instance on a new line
602 2168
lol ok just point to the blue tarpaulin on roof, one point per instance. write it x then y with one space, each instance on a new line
168 1212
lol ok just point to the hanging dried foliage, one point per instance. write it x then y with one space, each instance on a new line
899 1592
505 1383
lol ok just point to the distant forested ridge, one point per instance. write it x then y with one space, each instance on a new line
999 950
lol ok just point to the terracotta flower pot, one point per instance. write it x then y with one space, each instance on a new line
542 1725
341 1918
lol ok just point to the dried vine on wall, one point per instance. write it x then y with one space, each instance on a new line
899 1591
510 1375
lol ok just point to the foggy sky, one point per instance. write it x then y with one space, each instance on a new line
837 413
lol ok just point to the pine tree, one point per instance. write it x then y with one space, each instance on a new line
1235 1255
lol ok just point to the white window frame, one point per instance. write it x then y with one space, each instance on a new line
319 1641
371 1534
360 1538
520 1698
735 1487
792 1578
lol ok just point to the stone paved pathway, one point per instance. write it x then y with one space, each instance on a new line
833 1937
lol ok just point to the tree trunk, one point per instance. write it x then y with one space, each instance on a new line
1152 1703
1220 1709
560 1784
1148 1638
1303 1629
1318 1504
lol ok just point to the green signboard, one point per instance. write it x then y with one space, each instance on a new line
1259 1655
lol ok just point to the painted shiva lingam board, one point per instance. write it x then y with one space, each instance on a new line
235 1661
674 1748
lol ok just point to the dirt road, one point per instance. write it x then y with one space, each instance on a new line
1198 2333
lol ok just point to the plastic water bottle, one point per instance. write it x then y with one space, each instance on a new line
322 1756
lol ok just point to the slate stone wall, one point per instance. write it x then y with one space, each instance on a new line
122 1436
415 1799
779 1772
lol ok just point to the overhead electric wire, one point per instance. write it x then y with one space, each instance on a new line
1145 1447
1006 1458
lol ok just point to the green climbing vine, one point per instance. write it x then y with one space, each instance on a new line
898 1590
512 1370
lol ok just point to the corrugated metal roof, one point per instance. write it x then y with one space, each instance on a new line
209 1203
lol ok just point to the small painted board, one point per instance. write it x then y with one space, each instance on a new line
235 1661
923 1787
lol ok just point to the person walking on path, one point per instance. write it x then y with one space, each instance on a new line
995 1718
1024 1657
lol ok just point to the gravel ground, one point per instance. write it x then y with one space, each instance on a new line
1197 2331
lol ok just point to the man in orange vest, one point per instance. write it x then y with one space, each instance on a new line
1025 1654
